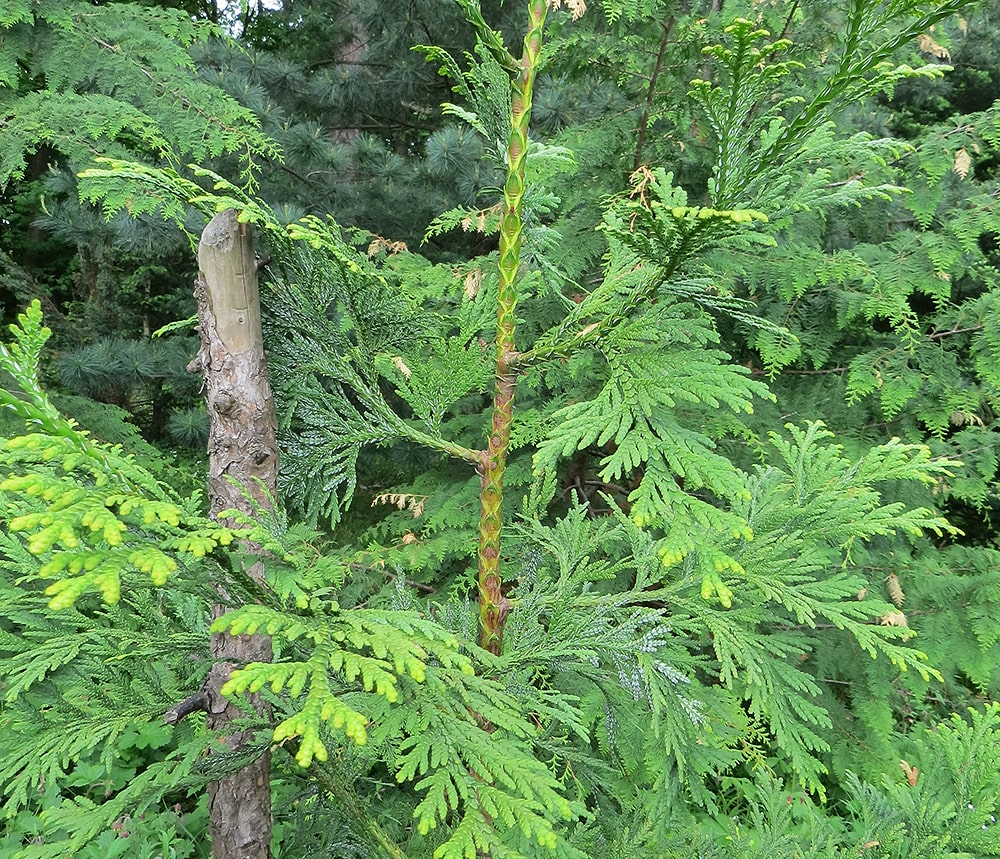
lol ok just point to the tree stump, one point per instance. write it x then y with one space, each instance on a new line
242 454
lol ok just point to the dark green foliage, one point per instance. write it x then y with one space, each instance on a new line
188 427
355 110
115 79
79 80
148 378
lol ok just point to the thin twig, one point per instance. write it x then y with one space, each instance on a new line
788 20
651 95
937 335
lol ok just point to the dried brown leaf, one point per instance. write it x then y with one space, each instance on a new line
402 501
895 590
963 162
929 46
893 618
473 280
576 7
400 365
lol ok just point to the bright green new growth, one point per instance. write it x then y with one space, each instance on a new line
394 657
80 503
387 646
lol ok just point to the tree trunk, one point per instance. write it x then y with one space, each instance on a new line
242 459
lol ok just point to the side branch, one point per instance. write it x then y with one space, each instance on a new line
191 704
473 457
647 108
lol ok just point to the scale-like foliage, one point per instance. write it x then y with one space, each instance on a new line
656 416
432 382
81 516
761 136
710 608
399 682
661 366
375 649
86 509
116 669
484 87
808 511
337 326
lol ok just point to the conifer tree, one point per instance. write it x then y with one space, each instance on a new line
690 589
355 110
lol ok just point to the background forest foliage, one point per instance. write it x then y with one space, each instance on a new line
749 562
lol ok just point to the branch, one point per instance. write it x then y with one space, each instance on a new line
473 457
198 701
650 95
754 371
788 20
353 804
937 335
490 38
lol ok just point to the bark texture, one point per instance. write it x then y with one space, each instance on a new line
242 457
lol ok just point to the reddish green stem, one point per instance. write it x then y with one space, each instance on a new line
493 606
